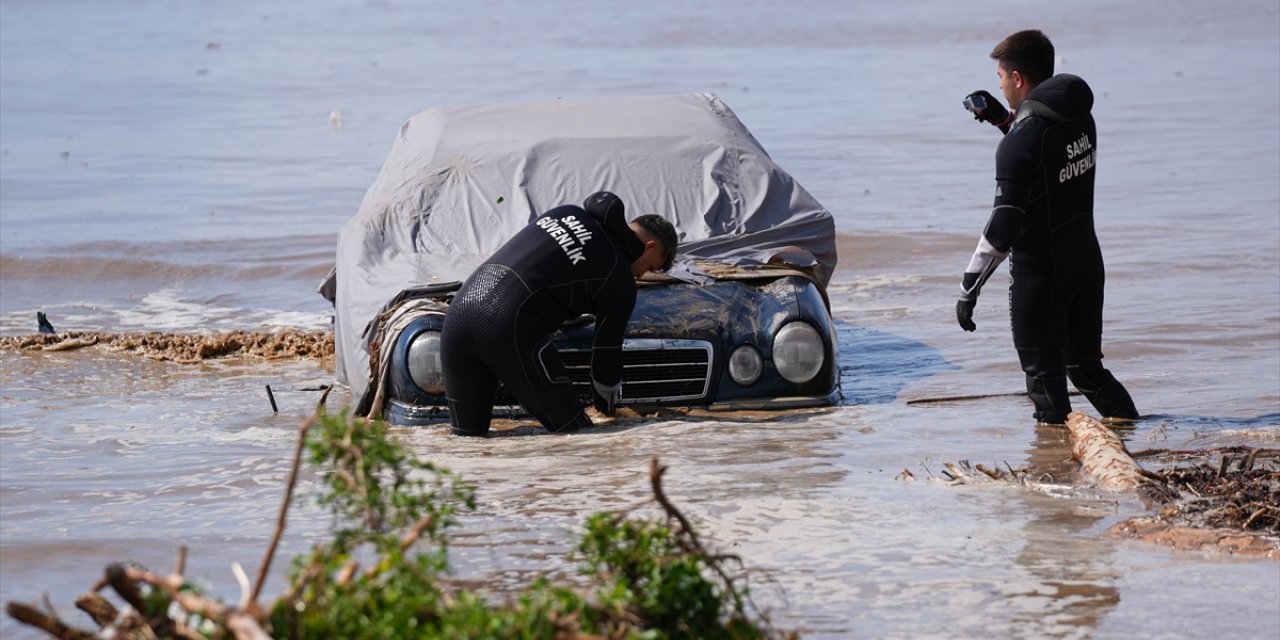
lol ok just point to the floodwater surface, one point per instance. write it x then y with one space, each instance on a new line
185 168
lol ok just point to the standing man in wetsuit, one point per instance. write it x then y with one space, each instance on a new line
568 262
1043 220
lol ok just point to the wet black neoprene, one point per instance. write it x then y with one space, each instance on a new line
566 263
1042 220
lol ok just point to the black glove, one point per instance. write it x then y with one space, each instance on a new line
964 312
986 108
606 397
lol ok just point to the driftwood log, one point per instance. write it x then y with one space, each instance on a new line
1102 455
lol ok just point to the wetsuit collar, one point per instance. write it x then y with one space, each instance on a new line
1062 98
632 245
615 224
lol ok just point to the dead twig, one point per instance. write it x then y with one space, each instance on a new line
995 475
118 577
172 585
284 511
246 589
98 608
1248 461
415 532
180 562
47 622
126 582
245 626
313 571
1161 432
324 397
656 471
981 396
347 573
1262 511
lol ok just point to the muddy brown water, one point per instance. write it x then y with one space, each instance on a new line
185 169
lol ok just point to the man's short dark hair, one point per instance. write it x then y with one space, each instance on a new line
661 230
1027 52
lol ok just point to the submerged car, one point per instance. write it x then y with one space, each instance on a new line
740 321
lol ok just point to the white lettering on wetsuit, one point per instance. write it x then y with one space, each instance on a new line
578 230
1078 167
570 240
1079 146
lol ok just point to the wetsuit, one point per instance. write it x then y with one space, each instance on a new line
566 263
1043 220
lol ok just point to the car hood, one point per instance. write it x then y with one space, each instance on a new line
715 312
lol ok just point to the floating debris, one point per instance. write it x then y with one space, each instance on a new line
42 321
70 344
1227 499
186 348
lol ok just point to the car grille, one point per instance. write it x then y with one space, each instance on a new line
652 370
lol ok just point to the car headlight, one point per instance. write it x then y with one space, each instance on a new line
798 352
424 362
745 365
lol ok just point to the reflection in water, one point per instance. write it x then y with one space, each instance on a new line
875 365
732 479
1069 560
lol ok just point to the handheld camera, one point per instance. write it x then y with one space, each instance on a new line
975 103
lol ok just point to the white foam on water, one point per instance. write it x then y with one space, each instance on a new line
171 310
166 310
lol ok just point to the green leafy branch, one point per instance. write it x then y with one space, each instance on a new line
647 579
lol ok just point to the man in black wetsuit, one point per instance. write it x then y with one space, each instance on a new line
1043 220
568 262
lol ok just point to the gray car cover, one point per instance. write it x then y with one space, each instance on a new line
459 181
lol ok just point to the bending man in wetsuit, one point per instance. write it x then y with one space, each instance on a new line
569 261
1043 220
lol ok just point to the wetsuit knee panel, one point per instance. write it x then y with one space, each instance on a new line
1042 363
